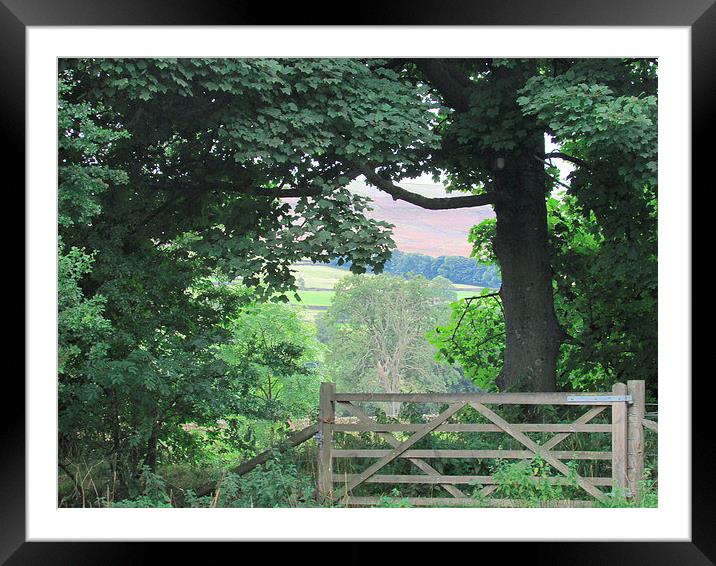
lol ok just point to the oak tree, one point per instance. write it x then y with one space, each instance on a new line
217 146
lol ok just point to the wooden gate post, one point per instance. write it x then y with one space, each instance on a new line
635 437
619 441
326 418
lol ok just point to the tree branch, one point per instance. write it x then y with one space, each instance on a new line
441 203
486 340
575 160
552 176
468 301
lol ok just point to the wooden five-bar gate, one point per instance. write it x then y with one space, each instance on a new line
626 426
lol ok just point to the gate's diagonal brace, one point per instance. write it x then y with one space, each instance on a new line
390 439
537 449
403 446
557 438
584 419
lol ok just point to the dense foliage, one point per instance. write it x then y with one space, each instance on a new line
168 169
208 152
139 319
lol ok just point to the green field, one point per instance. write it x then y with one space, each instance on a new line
314 298
319 276
468 291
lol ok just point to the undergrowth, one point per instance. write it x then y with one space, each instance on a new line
288 479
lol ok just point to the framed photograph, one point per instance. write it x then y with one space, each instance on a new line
358 146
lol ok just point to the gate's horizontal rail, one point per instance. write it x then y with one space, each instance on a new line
519 454
466 427
462 502
489 398
484 480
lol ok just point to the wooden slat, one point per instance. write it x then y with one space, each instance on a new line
581 421
403 446
488 398
462 502
651 425
448 427
485 454
619 439
442 479
390 439
537 449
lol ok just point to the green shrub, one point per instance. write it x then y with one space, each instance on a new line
394 500
276 483
528 481
154 493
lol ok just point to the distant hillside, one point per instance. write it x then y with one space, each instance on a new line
429 232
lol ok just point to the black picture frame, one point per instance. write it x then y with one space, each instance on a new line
699 15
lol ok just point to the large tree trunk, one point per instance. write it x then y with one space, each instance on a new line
521 245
